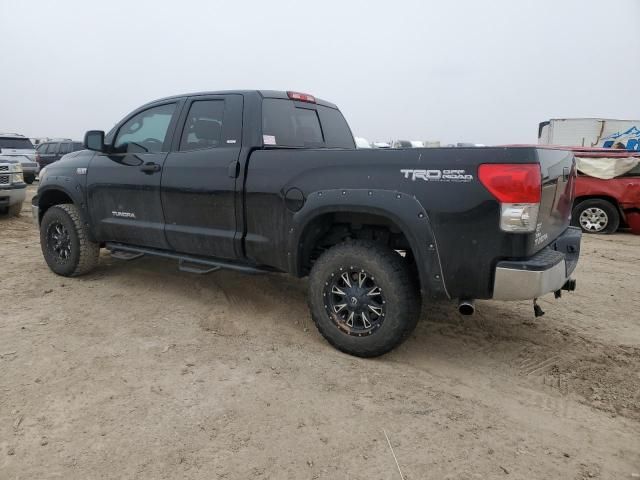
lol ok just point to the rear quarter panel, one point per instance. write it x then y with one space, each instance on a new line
463 215
624 190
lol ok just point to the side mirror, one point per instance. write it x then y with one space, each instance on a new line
94 140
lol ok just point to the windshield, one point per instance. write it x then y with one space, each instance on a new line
16 143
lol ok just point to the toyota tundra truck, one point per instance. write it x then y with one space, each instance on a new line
270 181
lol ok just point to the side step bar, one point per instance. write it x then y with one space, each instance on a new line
122 255
186 263
185 266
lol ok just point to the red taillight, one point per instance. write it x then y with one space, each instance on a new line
512 182
301 97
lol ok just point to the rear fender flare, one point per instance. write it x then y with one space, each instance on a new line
405 211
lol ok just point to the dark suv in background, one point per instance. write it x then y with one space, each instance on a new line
52 150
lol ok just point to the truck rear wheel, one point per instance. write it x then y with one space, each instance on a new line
596 216
64 241
363 298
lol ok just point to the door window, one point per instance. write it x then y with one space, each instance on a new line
145 131
51 148
203 126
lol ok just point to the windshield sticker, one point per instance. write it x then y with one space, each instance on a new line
437 175
269 139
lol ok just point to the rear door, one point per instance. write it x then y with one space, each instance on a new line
124 186
63 149
199 178
49 153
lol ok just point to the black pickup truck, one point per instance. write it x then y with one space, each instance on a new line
268 181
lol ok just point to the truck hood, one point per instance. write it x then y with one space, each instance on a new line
23 155
8 159
70 162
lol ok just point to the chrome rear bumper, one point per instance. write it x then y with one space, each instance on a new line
547 271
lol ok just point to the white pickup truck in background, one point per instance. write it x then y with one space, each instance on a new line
12 187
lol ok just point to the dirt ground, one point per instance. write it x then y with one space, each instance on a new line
140 371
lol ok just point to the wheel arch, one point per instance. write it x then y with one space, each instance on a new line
608 198
400 212
52 195
578 200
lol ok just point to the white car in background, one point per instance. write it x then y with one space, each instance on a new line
362 142
20 148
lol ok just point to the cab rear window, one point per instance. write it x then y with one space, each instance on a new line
287 124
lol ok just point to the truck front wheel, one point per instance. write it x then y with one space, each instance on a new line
64 241
596 216
363 298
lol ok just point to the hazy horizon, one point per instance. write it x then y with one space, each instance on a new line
463 71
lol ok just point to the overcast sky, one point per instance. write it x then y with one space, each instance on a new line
467 70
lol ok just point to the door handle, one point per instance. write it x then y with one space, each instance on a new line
150 167
234 169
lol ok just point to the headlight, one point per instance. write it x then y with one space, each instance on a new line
16 168
18 178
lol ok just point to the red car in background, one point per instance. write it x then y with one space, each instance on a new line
604 205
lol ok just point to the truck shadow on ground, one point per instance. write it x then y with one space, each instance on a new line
502 338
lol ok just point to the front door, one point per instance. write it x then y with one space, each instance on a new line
124 184
199 178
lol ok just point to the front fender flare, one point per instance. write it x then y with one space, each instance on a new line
71 188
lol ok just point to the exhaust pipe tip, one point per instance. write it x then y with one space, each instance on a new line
466 307
570 285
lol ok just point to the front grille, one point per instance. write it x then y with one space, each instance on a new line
4 179
4 168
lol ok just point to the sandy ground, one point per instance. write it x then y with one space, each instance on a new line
139 371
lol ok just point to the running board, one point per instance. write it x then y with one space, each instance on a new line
187 266
186 263
122 255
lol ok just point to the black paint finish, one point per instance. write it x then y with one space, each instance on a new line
257 211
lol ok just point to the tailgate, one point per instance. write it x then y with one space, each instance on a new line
558 171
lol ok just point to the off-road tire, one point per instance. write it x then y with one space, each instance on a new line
392 274
611 211
14 210
84 253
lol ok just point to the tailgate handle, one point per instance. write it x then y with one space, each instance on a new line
566 171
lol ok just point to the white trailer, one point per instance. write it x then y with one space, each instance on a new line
591 132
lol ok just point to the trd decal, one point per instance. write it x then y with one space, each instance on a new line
437 175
